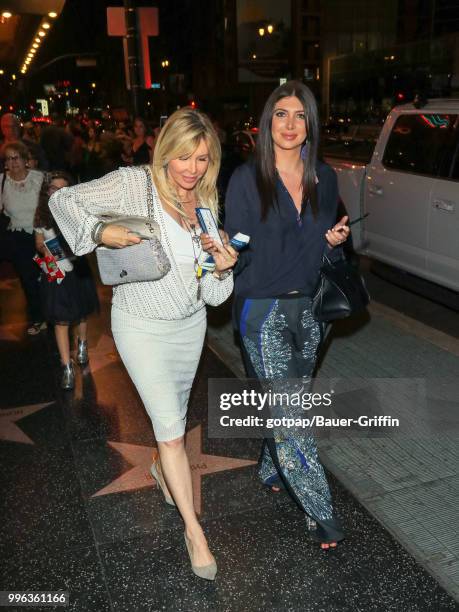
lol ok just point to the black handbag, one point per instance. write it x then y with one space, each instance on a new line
340 293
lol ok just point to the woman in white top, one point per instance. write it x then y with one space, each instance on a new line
159 326
20 188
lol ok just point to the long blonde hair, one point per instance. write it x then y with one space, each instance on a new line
180 136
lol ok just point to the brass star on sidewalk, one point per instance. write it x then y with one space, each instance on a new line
8 283
141 458
11 332
9 431
103 354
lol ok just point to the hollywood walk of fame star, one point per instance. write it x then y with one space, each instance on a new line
103 354
13 332
8 283
141 458
9 431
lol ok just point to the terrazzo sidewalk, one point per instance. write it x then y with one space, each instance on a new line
81 512
410 485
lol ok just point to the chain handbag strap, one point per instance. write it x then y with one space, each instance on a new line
150 207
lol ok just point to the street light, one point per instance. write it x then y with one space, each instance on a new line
45 25
270 29
53 15
41 33
261 31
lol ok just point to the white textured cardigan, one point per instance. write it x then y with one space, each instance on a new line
124 191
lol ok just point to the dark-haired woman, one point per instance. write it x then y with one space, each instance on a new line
286 201
72 299
142 144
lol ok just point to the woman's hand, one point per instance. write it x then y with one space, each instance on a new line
225 256
208 243
339 233
118 237
40 244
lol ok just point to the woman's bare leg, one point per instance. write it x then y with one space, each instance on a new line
63 343
82 330
177 475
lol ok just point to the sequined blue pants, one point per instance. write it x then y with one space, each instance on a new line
280 339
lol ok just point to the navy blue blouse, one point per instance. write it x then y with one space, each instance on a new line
285 250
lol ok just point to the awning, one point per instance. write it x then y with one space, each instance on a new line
22 33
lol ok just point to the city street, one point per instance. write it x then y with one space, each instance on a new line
229 304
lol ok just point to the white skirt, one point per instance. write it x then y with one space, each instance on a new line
161 358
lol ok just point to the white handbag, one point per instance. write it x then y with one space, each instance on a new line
143 262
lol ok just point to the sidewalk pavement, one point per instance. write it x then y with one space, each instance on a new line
410 485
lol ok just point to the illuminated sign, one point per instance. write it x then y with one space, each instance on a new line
43 104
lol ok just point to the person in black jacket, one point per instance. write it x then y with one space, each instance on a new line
286 201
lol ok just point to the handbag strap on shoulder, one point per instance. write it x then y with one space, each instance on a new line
150 206
326 259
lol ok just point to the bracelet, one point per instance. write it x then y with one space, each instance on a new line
96 233
222 275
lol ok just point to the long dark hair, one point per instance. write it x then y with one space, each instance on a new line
43 217
265 159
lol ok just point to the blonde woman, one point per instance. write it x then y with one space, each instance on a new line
159 326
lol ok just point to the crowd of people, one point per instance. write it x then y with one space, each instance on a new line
34 158
284 199
86 148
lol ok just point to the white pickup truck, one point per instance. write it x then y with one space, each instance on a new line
410 190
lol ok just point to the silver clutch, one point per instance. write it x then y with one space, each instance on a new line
146 261
141 262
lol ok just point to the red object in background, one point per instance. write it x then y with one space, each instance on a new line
400 96
193 104
147 25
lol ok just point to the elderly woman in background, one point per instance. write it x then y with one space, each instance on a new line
159 326
20 189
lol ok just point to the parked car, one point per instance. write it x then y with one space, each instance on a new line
410 191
